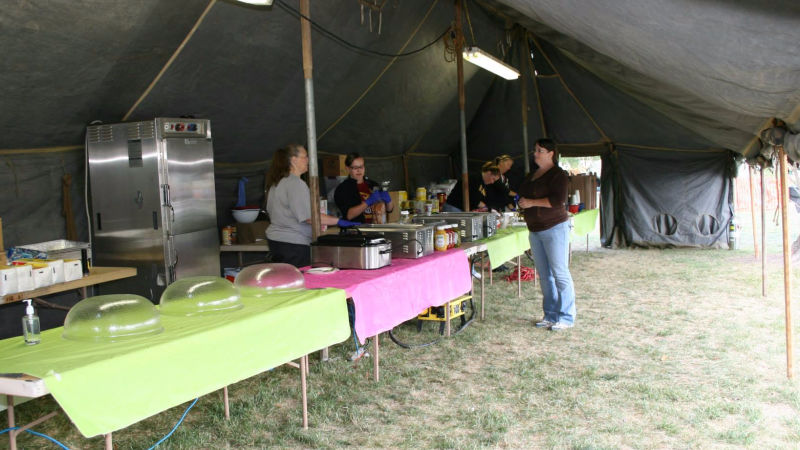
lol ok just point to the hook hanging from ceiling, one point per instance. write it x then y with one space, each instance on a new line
372 5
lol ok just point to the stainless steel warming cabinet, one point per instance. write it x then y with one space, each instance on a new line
153 202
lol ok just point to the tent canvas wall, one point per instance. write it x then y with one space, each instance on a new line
683 75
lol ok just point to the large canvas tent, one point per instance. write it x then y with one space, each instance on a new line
680 78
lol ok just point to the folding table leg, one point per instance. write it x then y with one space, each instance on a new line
447 318
483 283
12 434
519 275
226 403
109 443
376 358
303 366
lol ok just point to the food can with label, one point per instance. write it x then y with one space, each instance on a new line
226 235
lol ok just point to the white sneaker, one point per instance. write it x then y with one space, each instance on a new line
560 326
544 323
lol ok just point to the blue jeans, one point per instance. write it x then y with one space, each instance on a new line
551 256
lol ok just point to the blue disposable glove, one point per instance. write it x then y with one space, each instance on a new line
386 197
516 198
373 198
346 223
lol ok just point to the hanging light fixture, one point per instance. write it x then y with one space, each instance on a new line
257 2
482 59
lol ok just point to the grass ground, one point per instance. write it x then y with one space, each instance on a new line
672 348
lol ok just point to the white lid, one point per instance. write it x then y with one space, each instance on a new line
29 308
404 213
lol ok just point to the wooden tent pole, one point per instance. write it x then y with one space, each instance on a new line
459 42
763 233
405 174
311 124
777 193
787 263
750 170
524 94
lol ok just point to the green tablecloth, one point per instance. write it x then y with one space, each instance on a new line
106 387
508 243
584 222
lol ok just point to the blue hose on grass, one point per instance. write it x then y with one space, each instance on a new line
151 448
37 434
176 425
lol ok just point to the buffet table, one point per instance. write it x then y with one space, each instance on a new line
386 297
507 244
104 387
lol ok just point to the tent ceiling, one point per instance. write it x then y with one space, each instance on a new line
719 69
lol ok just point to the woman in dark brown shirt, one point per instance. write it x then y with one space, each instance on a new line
543 195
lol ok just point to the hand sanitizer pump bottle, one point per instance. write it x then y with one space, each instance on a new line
30 325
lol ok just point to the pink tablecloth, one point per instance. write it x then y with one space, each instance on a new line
387 297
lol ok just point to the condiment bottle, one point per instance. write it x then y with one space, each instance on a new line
451 237
405 217
440 239
458 235
30 325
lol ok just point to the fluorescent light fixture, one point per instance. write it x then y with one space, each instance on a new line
482 59
257 2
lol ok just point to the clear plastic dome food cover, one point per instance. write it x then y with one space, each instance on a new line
199 295
264 279
111 318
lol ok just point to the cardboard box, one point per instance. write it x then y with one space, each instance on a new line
333 166
55 265
8 280
249 233
73 270
24 277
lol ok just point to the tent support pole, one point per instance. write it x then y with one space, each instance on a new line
459 40
524 94
405 174
535 78
311 132
763 233
787 263
750 171
311 125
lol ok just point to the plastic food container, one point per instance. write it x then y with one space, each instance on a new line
264 279
199 295
112 318
61 248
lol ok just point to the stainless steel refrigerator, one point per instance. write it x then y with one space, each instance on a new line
153 205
